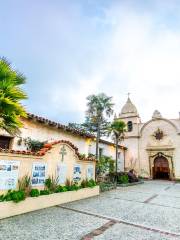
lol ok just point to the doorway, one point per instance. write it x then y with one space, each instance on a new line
161 168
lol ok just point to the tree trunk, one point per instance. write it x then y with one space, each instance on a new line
97 148
97 143
116 156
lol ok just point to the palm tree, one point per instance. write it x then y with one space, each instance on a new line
99 108
117 129
10 96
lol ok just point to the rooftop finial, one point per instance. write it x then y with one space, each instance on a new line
156 114
128 94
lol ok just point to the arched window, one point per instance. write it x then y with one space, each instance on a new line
130 126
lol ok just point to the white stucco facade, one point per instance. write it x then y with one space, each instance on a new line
151 144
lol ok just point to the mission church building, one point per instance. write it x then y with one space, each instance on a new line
153 146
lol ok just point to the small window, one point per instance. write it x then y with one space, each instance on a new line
130 126
5 142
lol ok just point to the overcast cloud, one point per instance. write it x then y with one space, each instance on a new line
70 49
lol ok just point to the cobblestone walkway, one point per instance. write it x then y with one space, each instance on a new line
150 211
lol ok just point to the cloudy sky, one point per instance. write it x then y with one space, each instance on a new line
69 49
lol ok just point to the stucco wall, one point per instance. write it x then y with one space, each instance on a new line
108 150
52 158
141 139
169 144
132 154
131 141
44 132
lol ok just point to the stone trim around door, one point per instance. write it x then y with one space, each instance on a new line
168 154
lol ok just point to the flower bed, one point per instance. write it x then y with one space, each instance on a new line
9 208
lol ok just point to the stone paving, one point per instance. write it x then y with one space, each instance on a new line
150 211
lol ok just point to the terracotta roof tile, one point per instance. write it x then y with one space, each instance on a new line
60 126
69 129
48 147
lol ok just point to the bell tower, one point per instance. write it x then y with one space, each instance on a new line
129 114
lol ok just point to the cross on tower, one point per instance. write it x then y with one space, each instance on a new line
128 94
63 153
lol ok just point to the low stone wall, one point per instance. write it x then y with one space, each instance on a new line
9 209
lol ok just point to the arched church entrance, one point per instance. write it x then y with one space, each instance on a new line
161 168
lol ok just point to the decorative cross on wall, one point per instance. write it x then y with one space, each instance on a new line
159 134
63 153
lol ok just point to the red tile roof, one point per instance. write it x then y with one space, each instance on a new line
75 131
46 148
60 126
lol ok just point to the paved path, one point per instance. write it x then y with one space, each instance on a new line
144 212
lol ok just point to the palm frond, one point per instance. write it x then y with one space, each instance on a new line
11 109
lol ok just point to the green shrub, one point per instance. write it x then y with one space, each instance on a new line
74 187
61 189
18 196
48 183
68 184
51 183
1 198
103 187
105 164
8 196
34 145
15 196
106 186
84 183
44 192
34 193
71 186
91 155
24 184
123 179
91 183
64 189
82 155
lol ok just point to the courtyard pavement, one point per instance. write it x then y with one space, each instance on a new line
150 211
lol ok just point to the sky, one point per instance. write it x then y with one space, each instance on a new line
69 49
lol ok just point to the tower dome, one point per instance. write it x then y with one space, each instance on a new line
129 113
129 108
